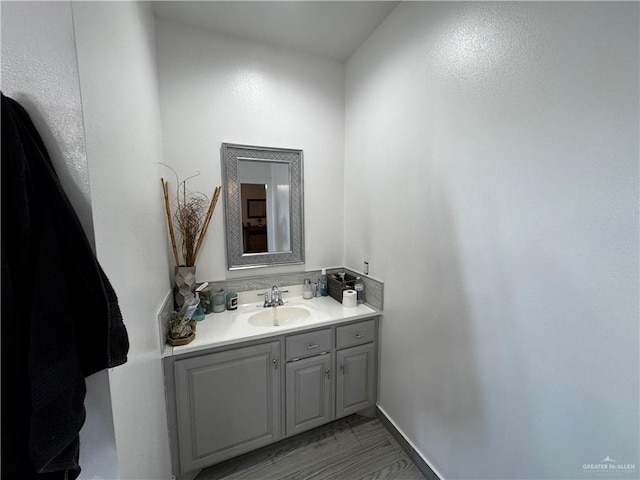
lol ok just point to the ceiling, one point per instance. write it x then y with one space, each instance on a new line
333 29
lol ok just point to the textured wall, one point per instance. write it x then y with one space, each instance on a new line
116 59
491 180
215 88
40 70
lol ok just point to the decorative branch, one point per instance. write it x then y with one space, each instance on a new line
191 218
203 232
167 209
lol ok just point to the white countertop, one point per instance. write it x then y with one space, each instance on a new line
232 326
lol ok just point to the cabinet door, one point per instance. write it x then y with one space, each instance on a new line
355 379
309 393
227 403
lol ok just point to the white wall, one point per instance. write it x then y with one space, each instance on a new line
491 178
216 88
116 58
492 182
38 50
40 70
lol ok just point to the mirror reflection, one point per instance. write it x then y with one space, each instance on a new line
254 218
264 196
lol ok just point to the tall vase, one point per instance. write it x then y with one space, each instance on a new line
184 285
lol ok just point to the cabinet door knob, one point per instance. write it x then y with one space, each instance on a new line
343 369
275 363
328 372
312 346
358 335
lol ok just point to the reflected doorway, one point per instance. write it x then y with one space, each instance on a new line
254 217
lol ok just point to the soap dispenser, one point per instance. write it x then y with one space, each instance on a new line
307 289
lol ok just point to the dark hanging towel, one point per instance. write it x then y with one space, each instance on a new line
60 316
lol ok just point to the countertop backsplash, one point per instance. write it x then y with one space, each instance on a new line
373 288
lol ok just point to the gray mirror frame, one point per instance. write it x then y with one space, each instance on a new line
236 258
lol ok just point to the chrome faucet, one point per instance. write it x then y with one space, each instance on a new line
273 298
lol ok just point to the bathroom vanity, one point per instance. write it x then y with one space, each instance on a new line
261 373
245 383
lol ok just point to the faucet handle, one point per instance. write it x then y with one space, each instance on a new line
267 302
280 302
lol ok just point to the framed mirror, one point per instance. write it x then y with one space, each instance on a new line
264 215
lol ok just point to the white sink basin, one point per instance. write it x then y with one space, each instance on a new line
278 316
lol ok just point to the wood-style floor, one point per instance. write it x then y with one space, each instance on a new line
352 448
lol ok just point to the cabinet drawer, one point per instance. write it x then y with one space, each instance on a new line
307 344
356 334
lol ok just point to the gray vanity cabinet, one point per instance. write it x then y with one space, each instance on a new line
309 393
227 403
356 367
231 400
309 380
355 388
